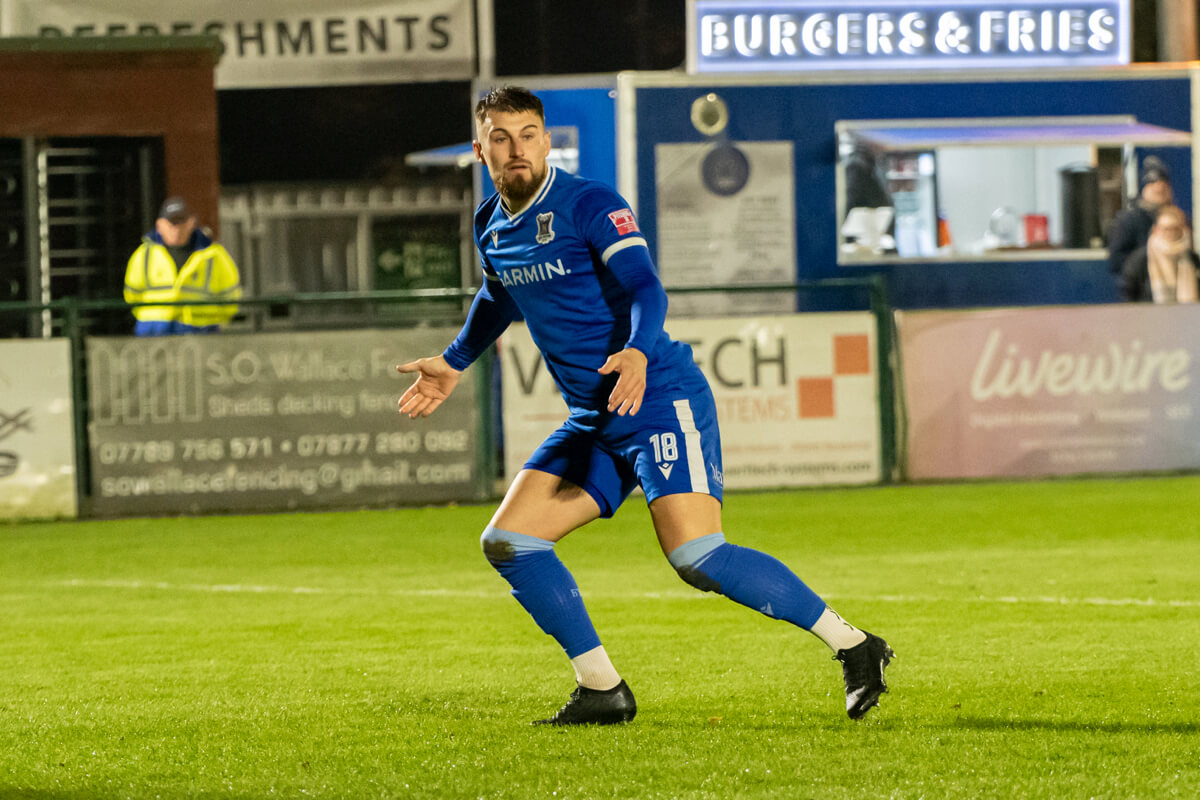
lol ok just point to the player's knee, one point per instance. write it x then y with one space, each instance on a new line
688 560
497 547
500 547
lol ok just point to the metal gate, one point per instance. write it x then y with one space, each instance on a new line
71 212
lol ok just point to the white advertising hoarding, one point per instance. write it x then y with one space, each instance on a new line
274 43
37 433
797 396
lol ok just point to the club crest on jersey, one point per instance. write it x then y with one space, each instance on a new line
623 221
545 233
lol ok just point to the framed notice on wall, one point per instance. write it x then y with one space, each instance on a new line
726 217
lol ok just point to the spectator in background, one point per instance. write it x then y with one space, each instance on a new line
180 261
1164 270
865 188
864 184
1131 226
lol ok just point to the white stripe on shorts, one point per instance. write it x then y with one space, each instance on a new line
691 443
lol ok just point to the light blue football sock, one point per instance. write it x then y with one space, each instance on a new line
749 577
543 587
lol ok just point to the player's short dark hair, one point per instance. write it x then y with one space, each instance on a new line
510 99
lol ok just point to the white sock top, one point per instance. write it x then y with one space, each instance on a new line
593 670
836 632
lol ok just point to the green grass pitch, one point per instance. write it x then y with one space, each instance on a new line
1046 637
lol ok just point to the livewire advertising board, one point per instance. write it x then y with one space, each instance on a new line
257 422
1051 391
37 435
797 396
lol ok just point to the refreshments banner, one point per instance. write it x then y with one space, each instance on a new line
274 43
258 422
1051 391
797 396
37 432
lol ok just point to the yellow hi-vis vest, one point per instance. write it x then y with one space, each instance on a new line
208 274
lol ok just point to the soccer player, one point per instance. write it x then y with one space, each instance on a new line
566 253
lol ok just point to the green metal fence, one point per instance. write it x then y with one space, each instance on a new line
76 319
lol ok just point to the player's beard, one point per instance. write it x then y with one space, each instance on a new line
516 189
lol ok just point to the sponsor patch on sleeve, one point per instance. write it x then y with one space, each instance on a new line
623 221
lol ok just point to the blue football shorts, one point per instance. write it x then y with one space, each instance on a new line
671 446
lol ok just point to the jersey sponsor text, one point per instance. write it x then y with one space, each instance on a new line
535 273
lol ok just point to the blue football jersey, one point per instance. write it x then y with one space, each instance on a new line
551 259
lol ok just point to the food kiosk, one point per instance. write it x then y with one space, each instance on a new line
1002 138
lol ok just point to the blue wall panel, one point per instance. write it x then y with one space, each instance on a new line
592 110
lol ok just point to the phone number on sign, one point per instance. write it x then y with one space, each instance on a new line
240 448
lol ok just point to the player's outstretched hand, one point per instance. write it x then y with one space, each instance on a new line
435 381
630 366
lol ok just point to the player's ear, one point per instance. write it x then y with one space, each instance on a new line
478 151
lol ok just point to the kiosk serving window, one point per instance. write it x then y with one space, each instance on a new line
979 189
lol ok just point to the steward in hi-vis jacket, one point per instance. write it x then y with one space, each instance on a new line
178 261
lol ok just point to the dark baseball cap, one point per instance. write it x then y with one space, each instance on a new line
1153 171
174 209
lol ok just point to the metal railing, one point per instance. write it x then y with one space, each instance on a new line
68 317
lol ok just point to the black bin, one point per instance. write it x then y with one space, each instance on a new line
1080 185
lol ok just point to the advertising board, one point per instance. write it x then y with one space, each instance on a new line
786 35
1050 391
256 422
278 43
796 395
37 433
